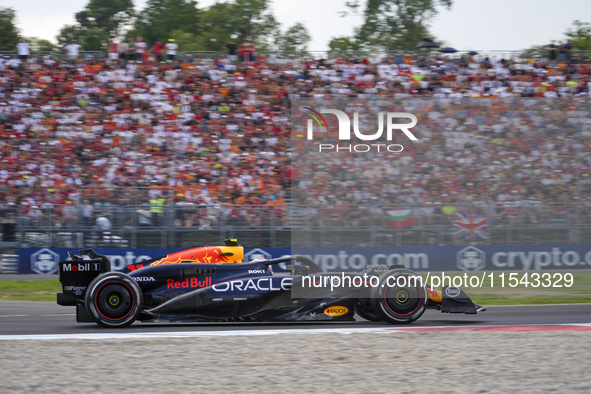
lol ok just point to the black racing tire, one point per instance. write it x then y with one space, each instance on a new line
366 312
396 304
114 300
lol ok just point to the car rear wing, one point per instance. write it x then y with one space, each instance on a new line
76 274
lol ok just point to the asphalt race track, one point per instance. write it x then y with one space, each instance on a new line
39 318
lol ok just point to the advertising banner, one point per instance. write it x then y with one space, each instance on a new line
432 258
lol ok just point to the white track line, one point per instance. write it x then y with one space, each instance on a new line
189 334
528 305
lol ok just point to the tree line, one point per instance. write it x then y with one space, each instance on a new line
193 28
387 25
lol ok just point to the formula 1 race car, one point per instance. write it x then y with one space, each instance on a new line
212 284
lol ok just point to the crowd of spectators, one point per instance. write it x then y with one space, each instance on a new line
211 137
514 160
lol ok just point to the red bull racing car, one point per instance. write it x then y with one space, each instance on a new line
212 284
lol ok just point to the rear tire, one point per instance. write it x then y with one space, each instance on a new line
399 304
114 300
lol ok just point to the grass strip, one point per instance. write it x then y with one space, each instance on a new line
29 290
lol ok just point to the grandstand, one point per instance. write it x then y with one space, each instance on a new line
100 152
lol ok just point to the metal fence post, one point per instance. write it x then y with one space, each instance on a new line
273 224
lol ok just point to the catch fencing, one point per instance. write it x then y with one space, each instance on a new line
294 56
182 225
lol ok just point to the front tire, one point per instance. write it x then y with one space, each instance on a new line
399 301
114 300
